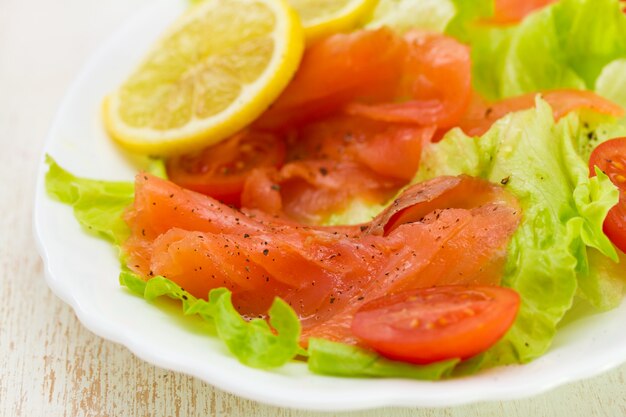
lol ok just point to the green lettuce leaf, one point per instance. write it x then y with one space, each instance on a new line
403 15
455 17
468 13
611 83
156 167
540 162
593 129
98 205
254 343
565 45
603 285
331 358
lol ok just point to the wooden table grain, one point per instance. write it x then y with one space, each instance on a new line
52 366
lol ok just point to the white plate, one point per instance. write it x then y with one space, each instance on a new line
82 270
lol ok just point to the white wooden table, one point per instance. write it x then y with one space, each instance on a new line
49 364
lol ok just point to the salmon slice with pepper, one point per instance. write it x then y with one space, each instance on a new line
431 235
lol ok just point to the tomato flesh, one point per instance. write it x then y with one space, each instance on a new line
220 171
433 324
610 157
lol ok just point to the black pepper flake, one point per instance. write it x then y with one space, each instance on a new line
505 181
363 228
488 112
324 171
360 298
171 195
245 235
332 300
266 252
185 297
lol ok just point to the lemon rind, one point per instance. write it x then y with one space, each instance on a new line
255 97
345 19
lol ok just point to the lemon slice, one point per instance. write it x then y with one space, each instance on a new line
212 73
324 17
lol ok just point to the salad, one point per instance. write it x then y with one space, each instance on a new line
397 188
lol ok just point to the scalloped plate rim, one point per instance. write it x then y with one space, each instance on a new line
396 393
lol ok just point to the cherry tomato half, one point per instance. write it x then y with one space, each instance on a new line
432 324
610 157
221 170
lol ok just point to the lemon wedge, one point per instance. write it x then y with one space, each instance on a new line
211 74
325 17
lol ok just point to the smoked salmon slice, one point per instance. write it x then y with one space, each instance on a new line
324 273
